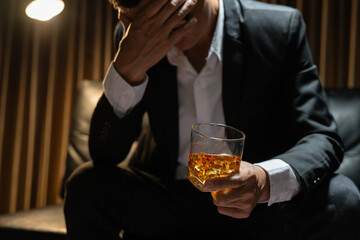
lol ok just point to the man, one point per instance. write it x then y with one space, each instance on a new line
243 63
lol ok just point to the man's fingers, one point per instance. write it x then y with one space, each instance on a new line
181 31
149 10
235 203
229 196
171 17
234 212
186 8
168 10
215 184
179 16
152 8
224 202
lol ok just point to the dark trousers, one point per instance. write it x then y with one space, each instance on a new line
113 202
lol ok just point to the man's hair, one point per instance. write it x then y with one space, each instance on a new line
124 3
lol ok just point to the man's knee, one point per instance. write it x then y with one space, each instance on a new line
78 188
80 179
331 212
345 197
344 203
87 204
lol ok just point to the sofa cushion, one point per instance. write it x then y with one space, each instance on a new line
344 104
41 223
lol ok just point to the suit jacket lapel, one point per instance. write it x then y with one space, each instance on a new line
232 62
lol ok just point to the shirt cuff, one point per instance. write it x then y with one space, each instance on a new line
283 182
121 95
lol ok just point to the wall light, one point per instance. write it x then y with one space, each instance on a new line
44 10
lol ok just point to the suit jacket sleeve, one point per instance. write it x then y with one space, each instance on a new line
110 138
318 150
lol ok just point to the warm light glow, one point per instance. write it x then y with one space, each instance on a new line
44 10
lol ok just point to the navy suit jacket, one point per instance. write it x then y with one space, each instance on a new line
271 91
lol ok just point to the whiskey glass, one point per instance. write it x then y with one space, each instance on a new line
215 151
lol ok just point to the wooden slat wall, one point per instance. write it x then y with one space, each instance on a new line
43 63
41 66
333 30
354 45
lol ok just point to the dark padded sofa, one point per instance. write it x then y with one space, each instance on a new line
48 223
344 104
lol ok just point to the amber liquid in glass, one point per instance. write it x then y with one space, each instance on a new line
202 167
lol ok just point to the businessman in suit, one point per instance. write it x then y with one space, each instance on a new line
243 63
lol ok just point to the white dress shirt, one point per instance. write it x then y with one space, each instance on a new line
200 100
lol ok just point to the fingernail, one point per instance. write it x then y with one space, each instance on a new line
186 6
175 2
192 2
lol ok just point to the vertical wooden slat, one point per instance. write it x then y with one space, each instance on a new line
2 85
33 109
300 5
5 166
324 40
5 78
2 47
43 174
314 27
341 45
108 39
81 43
357 58
19 127
67 96
97 41
354 25
20 134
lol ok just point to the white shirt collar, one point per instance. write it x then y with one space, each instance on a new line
217 41
176 57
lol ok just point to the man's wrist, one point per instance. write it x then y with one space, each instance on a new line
283 181
133 78
121 95
263 184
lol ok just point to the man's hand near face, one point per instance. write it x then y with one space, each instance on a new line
151 29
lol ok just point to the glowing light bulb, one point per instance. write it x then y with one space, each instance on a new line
44 10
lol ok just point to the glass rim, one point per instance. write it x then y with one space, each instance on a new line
220 125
